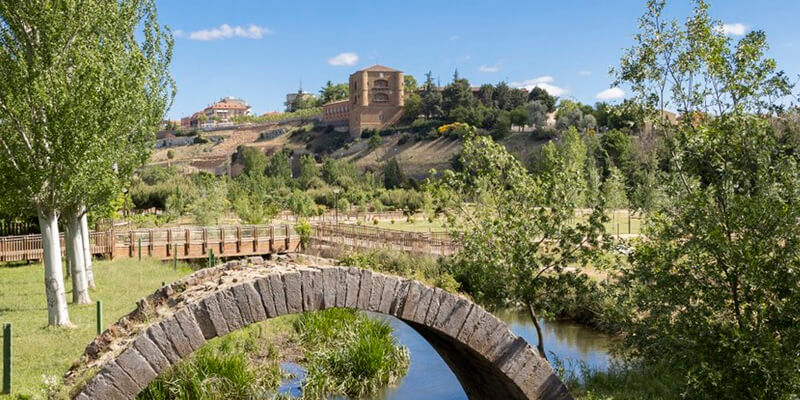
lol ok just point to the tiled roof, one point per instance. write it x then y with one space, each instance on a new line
380 68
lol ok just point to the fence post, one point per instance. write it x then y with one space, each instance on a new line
175 257
139 248
99 317
629 222
7 359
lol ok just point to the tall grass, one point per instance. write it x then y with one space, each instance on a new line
349 354
237 366
620 381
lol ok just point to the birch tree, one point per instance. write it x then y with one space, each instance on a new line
84 87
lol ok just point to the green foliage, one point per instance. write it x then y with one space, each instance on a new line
375 140
393 176
253 160
349 354
255 197
714 287
211 201
519 117
423 268
613 189
280 167
518 233
304 229
220 369
331 92
538 94
303 114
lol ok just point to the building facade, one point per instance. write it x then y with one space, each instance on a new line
221 112
292 97
376 98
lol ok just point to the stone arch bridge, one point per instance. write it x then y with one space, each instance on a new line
489 361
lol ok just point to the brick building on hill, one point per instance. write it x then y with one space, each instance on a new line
222 111
376 100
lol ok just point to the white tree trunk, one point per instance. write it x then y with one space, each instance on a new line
74 243
57 313
87 251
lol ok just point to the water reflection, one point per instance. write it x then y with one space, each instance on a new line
430 378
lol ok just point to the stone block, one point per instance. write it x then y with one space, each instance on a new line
423 305
257 260
294 292
311 285
433 308
364 290
159 338
190 328
389 287
400 296
341 286
241 302
229 309
136 367
174 333
210 307
412 299
101 387
458 315
254 300
158 362
329 277
446 303
278 293
474 318
377 291
353 282
265 292
121 381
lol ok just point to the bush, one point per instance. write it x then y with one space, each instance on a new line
170 154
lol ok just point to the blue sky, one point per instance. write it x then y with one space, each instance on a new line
261 50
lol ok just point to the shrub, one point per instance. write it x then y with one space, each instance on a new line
170 154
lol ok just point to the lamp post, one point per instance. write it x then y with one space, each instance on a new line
336 204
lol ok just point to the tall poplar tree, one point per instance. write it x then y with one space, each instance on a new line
84 87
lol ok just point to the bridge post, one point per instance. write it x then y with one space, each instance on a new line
187 245
272 239
221 240
150 243
286 231
255 239
131 244
204 246
169 242
238 239
7 359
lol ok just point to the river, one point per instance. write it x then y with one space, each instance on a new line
429 376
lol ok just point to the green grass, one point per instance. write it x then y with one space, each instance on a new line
349 354
620 382
41 351
418 225
242 365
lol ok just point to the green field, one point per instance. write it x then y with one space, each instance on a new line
40 351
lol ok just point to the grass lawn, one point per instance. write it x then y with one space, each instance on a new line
419 225
41 351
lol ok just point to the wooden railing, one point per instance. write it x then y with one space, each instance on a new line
166 243
367 237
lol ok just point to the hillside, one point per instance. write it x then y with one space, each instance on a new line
416 155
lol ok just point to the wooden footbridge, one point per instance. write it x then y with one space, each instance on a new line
168 243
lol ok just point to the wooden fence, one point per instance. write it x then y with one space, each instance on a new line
166 243
367 237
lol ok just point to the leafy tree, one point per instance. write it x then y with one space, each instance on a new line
375 140
280 167
486 95
331 92
392 175
537 113
502 126
615 151
541 95
518 235
714 287
519 117
61 155
254 161
431 98
302 101
211 201
409 84
502 96
517 98
309 173
457 94
413 107
613 188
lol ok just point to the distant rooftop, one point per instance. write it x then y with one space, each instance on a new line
379 68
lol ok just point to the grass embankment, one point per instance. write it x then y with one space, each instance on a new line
42 352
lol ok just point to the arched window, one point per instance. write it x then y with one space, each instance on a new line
381 83
381 97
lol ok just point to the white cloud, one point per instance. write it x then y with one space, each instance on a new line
343 60
584 73
454 38
611 94
178 33
226 31
544 82
465 58
737 29
490 68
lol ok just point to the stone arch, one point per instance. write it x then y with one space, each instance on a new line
489 361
